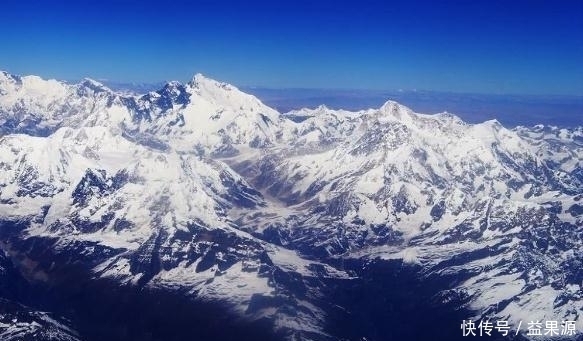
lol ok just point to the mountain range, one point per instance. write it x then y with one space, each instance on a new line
198 210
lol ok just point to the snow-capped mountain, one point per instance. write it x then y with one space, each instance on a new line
499 209
201 189
202 115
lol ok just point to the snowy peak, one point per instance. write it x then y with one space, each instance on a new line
448 117
210 87
175 91
166 98
201 114
320 111
6 78
201 81
226 95
393 108
93 85
90 88
29 88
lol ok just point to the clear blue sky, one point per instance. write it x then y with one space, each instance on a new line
528 47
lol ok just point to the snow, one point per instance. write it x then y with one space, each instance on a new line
387 166
290 261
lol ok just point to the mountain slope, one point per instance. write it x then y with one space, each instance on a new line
495 207
19 322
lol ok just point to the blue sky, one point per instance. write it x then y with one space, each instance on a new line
520 47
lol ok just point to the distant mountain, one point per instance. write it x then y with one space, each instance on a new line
510 110
202 192
133 88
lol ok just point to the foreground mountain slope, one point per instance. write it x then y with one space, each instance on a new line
19 322
142 216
